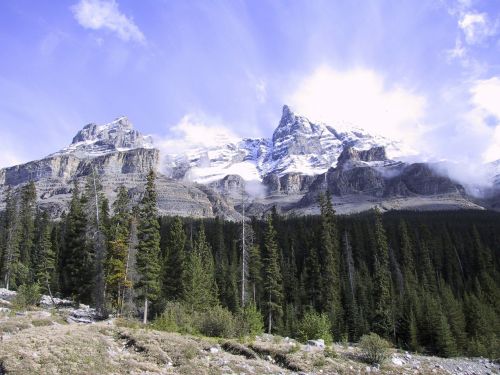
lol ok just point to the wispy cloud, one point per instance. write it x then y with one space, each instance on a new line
105 14
476 27
193 131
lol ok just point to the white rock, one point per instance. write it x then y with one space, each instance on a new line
214 350
320 343
6 294
397 361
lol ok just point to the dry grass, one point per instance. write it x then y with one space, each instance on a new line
39 344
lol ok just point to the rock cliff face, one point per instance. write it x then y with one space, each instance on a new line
289 170
119 155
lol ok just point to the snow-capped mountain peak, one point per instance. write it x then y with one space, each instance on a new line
298 145
98 139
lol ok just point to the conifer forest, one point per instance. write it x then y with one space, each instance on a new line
426 281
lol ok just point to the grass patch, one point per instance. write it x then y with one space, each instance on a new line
41 322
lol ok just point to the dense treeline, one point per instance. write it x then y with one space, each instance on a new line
427 281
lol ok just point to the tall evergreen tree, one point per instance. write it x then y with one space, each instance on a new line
148 254
27 231
273 294
330 265
382 319
255 273
118 248
77 262
175 262
44 256
11 255
200 289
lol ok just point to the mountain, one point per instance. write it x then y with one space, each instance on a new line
297 146
288 171
120 156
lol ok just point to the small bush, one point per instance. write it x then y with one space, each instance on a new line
319 362
374 348
127 323
249 321
176 318
28 295
217 322
314 326
330 352
41 322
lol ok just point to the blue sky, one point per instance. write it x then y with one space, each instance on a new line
427 72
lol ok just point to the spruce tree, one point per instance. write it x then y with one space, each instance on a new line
273 294
96 210
330 265
27 231
148 253
118 248
200 289
175 262
11 255
255 273
44 256
382 318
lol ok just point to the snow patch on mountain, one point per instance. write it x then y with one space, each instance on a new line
297 146
100 139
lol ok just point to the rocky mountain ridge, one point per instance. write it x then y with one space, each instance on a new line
289 170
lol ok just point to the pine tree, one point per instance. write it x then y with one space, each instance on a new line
406 249
77 262
255 273
272 277
175 262
118 248
382 319
453 311
45 257
93 203
11 255
200 289
148 254
312 280
27 231
330 265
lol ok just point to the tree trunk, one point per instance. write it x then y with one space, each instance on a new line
270 316
145 320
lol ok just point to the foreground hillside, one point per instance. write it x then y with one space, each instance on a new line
42 342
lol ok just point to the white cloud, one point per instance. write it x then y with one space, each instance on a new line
485 97
195 131
104 14
457 52
261 90
476 27
360 97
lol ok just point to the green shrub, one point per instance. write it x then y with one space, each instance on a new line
374 348
176 318
127 323
41 322
28 295
314 326
330 352
249 321
217 322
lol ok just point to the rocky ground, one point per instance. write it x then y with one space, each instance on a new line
69 341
